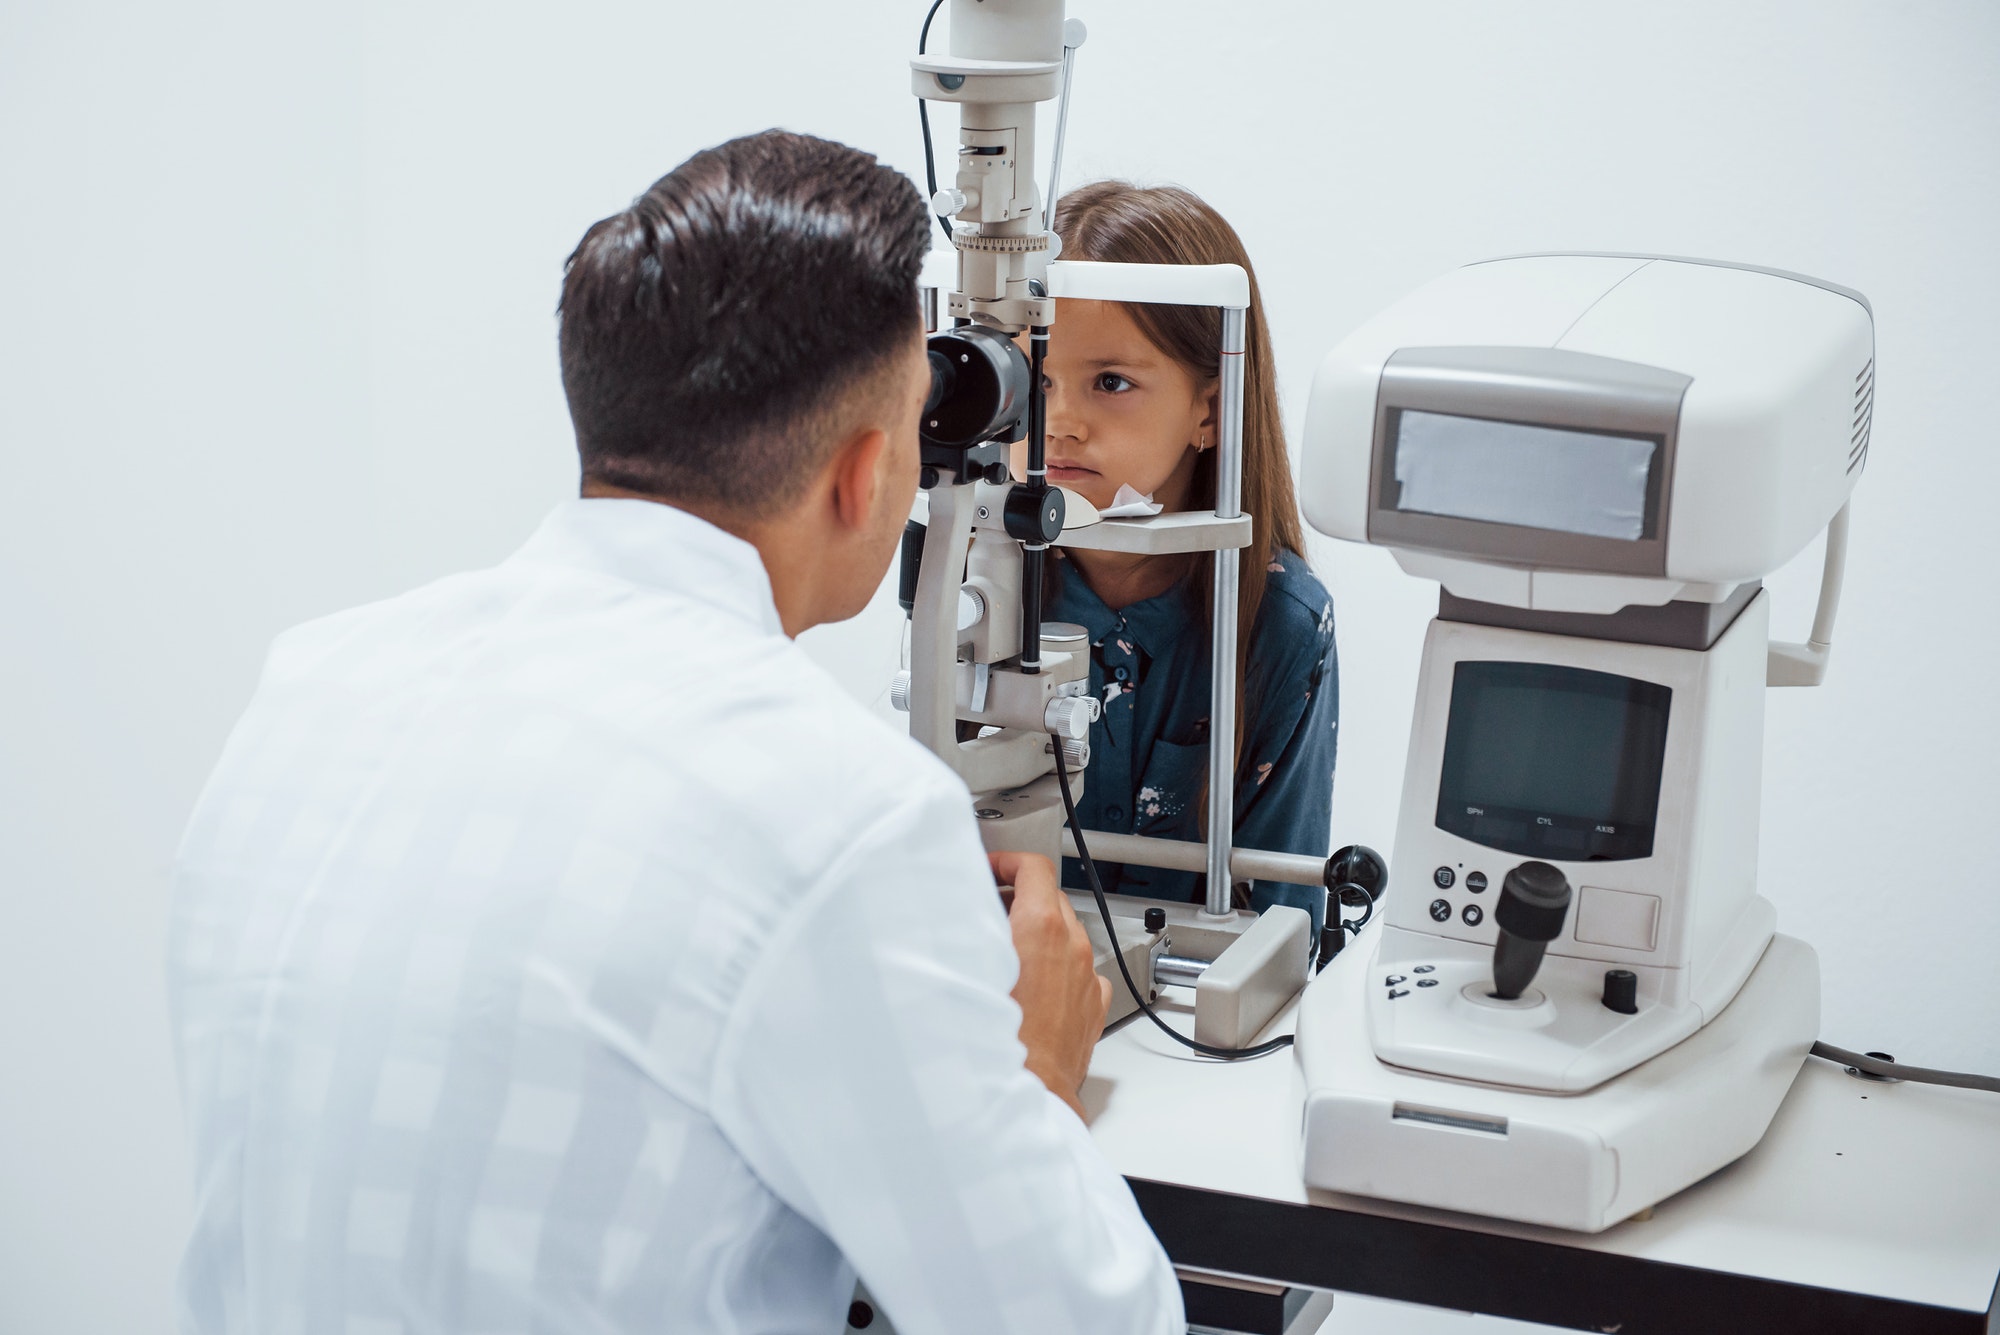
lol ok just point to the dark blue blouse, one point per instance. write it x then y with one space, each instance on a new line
1149 752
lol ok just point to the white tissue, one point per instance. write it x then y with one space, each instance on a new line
1130 504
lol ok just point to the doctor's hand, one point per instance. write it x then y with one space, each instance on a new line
1061 997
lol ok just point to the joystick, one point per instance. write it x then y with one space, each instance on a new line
1534 900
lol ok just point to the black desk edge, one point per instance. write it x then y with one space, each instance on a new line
1322 1247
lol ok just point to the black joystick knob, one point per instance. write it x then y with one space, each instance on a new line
1356 878
1156 920
1621 991
1361 866
1534 900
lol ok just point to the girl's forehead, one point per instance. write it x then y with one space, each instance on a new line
1099 330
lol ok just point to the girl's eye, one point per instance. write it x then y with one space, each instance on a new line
1113 383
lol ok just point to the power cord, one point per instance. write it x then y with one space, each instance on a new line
924 119
1104 911
1884 1069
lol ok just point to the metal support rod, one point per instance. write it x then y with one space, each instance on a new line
1229 446
1055 154
1245 864
1034 554
1178 971
1222 671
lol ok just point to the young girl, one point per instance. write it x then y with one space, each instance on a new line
1134 400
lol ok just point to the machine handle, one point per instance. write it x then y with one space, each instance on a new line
1805 664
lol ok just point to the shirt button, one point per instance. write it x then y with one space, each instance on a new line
1122 674
1115 813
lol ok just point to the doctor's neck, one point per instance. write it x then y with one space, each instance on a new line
827 538
806 588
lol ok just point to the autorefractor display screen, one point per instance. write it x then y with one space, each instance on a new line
1553 762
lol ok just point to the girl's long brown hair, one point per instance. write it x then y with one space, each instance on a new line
1120 222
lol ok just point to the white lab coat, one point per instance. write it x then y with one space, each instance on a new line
557 948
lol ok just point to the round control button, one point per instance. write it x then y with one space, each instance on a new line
1444 877
1425 968
1440 910
1476 883
1427 982
1395 992
1473 915
1392 980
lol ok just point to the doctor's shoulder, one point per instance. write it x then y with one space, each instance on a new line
816 727
403 619
780 732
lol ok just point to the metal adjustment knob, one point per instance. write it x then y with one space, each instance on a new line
1071 715
899 691
1034 516
1075 752
971 607
1064 637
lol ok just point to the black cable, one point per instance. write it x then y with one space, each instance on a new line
1335 903
1890 1070
924 119
1104 911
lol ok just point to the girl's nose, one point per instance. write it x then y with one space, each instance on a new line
1064 423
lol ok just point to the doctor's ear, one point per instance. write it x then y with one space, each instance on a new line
858 474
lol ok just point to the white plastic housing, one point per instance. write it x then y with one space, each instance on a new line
1687 920
1771 430
1576 1161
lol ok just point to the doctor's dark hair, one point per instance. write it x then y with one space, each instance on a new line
714 332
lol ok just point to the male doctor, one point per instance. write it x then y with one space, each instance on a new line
557 949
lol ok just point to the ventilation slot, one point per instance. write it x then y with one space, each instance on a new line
1864 416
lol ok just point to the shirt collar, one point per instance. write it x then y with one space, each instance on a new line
1152 623
649 543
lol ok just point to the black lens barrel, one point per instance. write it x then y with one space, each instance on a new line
979 388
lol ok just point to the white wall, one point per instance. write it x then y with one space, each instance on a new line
276 286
